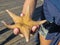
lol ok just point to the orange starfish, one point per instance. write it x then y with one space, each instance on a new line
24 23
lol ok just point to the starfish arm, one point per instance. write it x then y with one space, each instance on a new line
16 19
33 23
8 26
26 32
40 22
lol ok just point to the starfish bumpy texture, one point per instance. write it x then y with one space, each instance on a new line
24 23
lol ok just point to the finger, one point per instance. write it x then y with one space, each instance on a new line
21 14
34 28
16 31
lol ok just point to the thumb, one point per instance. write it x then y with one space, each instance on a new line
34 28
16 31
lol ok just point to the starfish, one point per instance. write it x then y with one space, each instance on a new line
24 23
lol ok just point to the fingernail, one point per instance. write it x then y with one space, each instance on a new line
21 14
34 27
16 31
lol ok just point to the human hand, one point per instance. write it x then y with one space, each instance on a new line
16 31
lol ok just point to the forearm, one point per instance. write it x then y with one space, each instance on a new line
31 4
